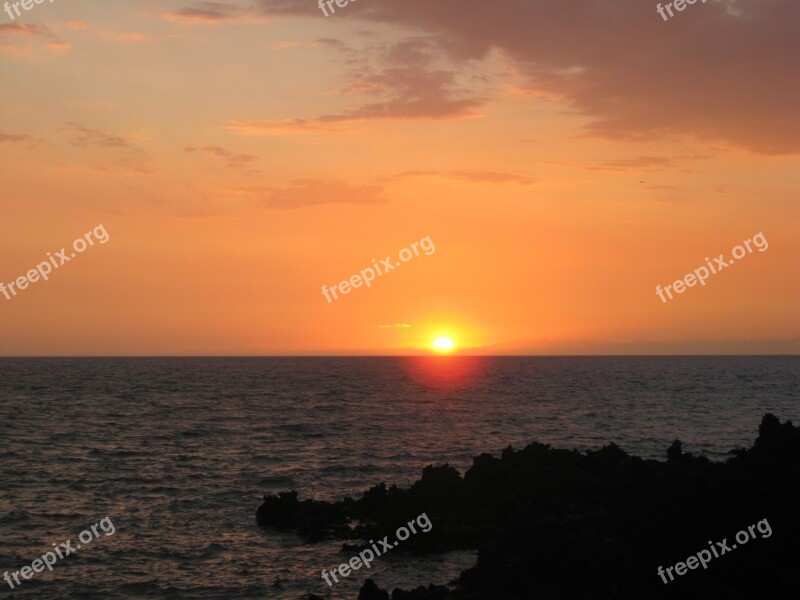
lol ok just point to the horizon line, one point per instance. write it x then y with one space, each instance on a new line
437 355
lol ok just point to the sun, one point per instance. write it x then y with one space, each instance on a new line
443 344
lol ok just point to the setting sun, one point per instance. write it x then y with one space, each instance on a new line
443 344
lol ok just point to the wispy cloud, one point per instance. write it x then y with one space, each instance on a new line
231 159
278 127
18 29
59 46
313 192
119 156
207 13
128 165
83 136
28 41
475 176
645 163
640 163
15 138
405 85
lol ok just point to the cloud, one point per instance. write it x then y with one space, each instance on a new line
85 137
26 41
277 127
130 160
14 138
288 8
475 176
405 84
9 29
395 326
127 166
59 46
133 36
710 73
332 43
639 163
409 93
231 159
718 71
206 13
313 192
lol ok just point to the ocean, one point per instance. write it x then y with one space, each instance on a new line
178 452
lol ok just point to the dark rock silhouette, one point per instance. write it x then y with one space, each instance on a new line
559 524
370 591
675 451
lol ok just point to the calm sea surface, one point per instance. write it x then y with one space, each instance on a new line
178 452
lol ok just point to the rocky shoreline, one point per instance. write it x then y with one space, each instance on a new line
560 524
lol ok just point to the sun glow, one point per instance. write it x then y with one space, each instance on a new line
443 344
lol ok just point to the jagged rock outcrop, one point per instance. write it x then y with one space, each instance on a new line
559 524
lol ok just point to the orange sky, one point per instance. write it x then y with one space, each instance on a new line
564 158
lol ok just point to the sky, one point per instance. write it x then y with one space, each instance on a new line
563 159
